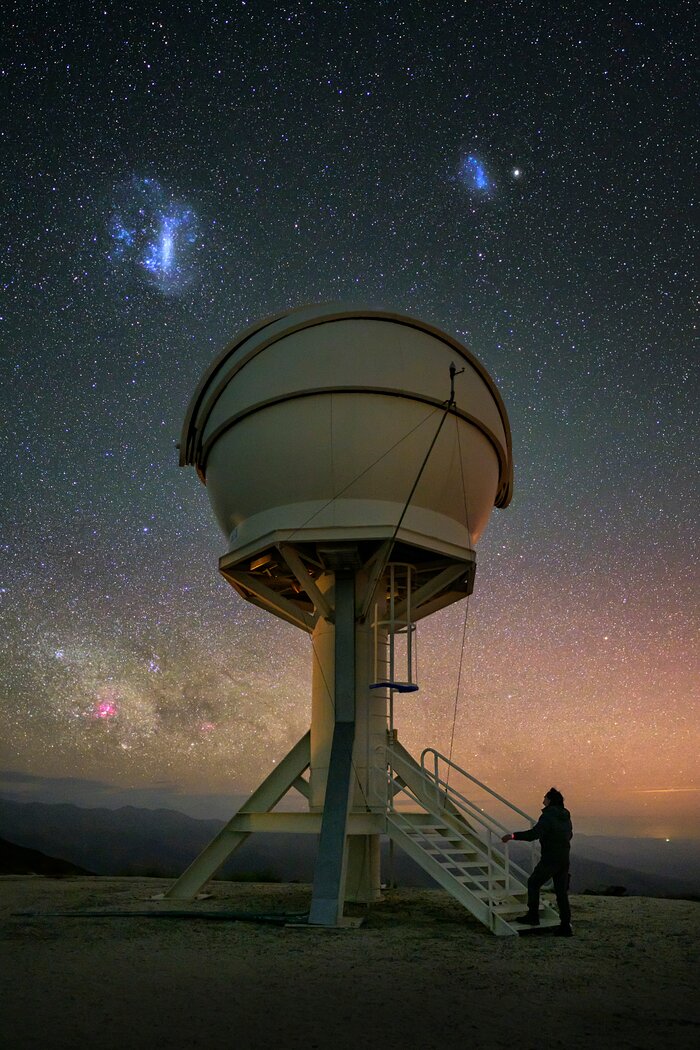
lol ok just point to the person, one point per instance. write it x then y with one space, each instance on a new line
554 830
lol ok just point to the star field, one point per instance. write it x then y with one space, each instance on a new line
525 177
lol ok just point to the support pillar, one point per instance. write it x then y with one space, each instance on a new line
368 785
328 893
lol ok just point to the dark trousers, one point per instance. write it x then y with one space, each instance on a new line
558 872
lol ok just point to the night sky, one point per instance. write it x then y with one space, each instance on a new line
522 175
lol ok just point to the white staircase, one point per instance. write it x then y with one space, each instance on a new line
457 843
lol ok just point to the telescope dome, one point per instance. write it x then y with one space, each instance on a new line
313 425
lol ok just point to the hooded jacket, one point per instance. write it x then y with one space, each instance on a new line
554 830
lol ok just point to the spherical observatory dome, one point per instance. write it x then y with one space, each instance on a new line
313 425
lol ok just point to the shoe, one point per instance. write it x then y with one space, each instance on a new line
563 931
528 920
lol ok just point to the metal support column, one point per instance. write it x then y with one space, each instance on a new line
329 875
263 799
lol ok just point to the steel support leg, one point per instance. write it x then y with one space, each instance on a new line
329 875
272 789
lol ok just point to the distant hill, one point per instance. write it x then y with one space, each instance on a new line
18 860
588 873
131 841
163 842
126 841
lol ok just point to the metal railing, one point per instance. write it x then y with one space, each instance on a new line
444 800
445 791
484 882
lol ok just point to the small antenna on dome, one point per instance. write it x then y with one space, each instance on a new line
454 371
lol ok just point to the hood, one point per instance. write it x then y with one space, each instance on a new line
560 813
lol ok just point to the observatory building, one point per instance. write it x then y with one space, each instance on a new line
352 458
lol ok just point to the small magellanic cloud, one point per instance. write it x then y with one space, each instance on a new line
473 176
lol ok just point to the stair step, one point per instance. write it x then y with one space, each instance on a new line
435 851
448 834
434 829
451 852
481 880
524 928
462 852
470 868
437 838
457 845
483 894
443 838
469 840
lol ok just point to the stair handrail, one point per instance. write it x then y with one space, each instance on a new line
448 797
461 804
490 850
469 808
437 757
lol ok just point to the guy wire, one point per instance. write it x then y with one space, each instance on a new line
466 606
362 473
390 547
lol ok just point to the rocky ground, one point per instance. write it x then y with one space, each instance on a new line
419 972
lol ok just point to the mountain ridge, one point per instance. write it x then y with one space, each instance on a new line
130 840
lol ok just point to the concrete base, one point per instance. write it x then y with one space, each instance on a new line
362 880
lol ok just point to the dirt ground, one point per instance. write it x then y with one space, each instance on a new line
420 972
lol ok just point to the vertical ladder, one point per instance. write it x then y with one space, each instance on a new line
387 672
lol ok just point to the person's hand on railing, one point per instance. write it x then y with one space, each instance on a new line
507 838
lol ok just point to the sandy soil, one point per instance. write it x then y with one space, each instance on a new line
420 972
